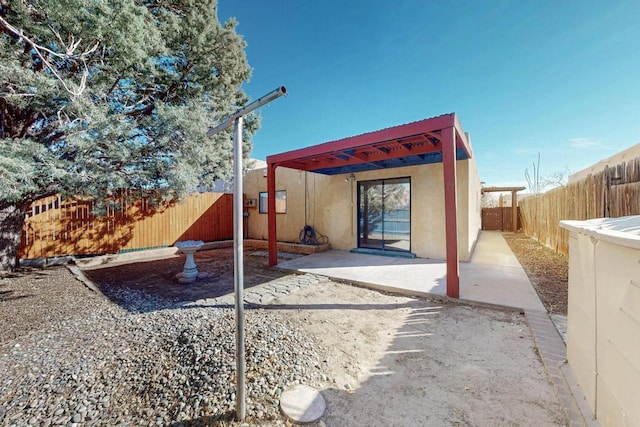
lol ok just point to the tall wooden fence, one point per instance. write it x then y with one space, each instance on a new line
499 219
613 192
56 227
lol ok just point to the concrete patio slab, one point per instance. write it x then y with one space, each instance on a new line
493 276
397 274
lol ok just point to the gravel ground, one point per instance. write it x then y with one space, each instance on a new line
140 361
69 356
33 298
547 269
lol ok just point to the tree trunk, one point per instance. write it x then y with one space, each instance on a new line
11 220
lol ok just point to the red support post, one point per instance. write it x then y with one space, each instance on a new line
450 211
271 213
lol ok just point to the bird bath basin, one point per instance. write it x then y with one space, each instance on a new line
190 272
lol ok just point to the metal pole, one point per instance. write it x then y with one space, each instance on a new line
226 122
238 238
238 271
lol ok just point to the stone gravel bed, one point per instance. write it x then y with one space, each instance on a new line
144 361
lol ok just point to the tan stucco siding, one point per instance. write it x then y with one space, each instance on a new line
474 206
292 181
462 172
331 206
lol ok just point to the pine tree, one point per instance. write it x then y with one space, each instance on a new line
102 95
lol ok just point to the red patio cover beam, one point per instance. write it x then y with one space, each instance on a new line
361 157
461 137
379 146
271 214
450 211
398 132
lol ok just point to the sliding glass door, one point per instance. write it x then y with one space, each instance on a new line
384 214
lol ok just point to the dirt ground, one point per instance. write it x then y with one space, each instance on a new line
548 270
388 360
401 361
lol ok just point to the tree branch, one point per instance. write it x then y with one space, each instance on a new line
113 86
174 85
30 44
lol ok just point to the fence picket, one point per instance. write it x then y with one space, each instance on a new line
613 192
56 227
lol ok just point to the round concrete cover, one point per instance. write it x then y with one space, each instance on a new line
302 404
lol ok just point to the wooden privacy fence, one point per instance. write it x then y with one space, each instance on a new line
55 227
499 219
612 193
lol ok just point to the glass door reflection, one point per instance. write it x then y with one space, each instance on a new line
384 214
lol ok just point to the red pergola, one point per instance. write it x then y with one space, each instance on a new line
434 140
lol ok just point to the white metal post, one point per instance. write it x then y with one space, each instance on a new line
238 271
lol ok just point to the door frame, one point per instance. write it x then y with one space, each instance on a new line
359 214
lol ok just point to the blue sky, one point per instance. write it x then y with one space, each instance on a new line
559 78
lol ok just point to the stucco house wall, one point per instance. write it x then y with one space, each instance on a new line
330 206
618 158
469 207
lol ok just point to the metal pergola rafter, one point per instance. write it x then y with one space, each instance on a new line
434 140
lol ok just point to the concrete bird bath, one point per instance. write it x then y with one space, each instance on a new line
190 272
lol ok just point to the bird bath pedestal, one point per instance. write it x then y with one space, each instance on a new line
190 272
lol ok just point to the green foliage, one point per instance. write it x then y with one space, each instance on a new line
99 95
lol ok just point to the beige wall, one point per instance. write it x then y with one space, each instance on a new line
469 201
289 224
618 158
603 341
331 206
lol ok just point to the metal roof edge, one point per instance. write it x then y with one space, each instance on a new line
430 124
